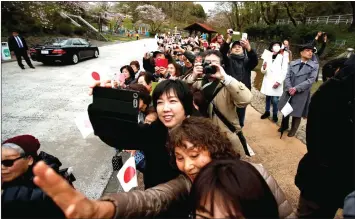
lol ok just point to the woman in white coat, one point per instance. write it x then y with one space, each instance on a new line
274 69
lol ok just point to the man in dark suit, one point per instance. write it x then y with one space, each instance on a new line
18 46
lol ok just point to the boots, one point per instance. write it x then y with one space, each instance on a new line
274 118
284 124
295 124
265 115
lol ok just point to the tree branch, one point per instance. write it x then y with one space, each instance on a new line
290 15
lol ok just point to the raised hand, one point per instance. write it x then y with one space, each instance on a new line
73 203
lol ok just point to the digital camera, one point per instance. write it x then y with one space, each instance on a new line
208 69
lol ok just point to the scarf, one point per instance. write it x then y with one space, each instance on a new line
237 68
237 56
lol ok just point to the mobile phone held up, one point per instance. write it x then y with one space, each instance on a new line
161 63
122 103
244 36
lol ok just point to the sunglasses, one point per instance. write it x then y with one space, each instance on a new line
9 163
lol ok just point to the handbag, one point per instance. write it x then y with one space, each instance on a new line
117 162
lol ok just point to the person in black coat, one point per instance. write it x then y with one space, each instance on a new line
18 46
326 173
173 102
21 198
239 64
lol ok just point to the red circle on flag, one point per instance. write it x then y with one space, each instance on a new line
129 174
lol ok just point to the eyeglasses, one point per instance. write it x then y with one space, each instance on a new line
9 163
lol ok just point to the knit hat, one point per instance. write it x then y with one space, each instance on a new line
28 143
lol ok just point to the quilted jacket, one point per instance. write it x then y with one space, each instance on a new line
153 201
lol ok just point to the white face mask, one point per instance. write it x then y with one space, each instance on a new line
276 48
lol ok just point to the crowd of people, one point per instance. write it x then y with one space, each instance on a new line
192 105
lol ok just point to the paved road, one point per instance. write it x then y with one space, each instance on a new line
45 101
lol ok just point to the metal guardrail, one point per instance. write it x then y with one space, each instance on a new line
331 19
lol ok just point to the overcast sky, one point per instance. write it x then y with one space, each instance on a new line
207 5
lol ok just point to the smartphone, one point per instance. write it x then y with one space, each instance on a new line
244 36
161 63
114 110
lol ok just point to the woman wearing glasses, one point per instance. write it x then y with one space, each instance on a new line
20 197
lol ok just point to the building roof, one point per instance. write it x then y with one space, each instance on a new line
200 27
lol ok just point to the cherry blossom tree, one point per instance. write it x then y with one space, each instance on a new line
152 16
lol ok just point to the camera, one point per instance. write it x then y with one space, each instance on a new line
208 69
175 53
231 31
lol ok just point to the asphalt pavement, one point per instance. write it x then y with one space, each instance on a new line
45 101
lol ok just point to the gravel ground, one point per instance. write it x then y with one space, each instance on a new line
45 101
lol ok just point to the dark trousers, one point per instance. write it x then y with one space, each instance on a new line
22 53
241 116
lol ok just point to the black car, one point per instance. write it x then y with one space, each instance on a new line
68 50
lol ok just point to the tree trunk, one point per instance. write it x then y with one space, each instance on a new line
263 13
290 15
276 13
352 26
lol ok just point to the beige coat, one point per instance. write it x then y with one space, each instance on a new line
226 101
155 200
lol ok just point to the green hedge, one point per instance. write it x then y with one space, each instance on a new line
303 34
298 35
65 29
79 30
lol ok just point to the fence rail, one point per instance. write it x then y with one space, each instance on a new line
331 19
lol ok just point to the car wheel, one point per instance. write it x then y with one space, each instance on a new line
75 59
96 54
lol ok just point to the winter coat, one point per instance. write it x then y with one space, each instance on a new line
275 72
239 69
152 201
326 173
349 206
232 95
21 198
151 139
302 81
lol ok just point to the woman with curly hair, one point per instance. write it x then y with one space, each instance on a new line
192 145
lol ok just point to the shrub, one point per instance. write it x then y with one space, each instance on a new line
298 35
79 30
65 29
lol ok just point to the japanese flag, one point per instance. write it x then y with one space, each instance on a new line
84 125
127 175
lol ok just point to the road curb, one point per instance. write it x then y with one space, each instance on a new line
6 61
